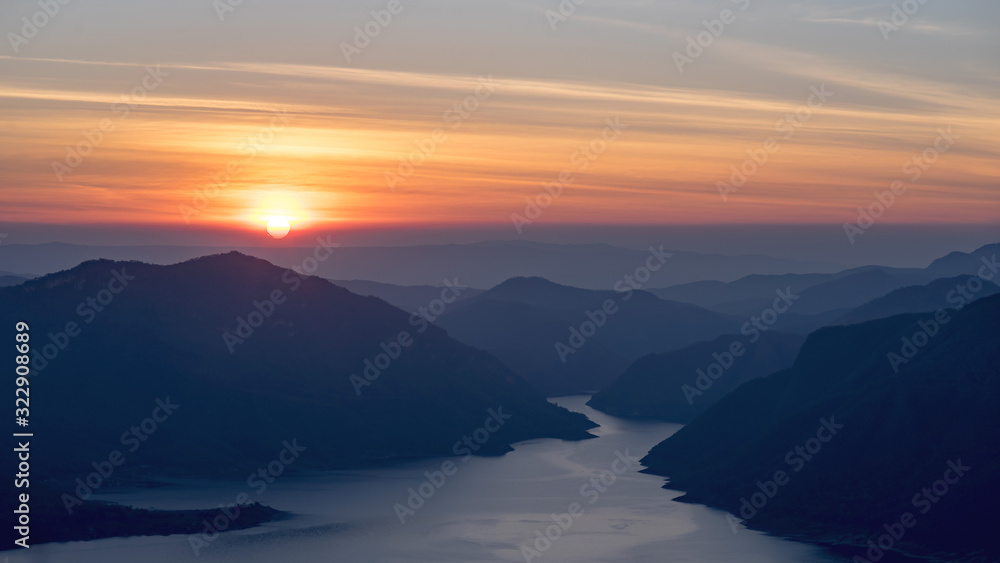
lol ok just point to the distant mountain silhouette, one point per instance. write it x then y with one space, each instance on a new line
522 320
482 264
820 294
9 280
679 385
746 295
901 433
750 289
920 298
409 298
92 520
961 263
794 323
163 336
848 291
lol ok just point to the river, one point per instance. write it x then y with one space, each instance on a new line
484 512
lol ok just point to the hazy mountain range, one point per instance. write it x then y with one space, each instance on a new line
938 294
678 386
568 340
407 297
522 321
843 289
481 265
863 425
365 372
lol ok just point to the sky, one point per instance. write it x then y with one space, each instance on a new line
209 115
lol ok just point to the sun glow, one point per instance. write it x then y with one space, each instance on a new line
277 209
278 226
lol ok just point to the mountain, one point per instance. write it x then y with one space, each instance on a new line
816 296
568 340
92 520
876 428
847 291
679 385
745 295
969 263
713 294
249 357
939 294
409 298
794 323
9 280
483 264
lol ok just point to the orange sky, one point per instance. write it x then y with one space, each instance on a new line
326 134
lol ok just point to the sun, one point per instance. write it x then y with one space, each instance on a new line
278 226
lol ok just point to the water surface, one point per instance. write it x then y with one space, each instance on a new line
484 512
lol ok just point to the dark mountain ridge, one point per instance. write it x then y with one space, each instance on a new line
677 386
746 294
533 325
259 355
938 294
906 408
